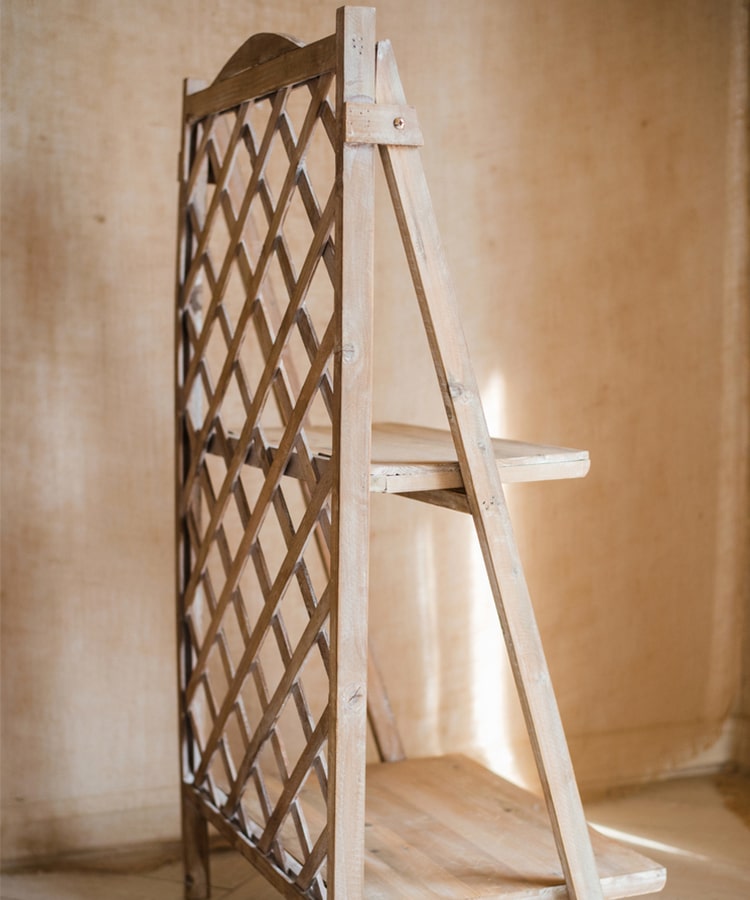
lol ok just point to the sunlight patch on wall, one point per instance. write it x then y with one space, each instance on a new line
429 648
492 686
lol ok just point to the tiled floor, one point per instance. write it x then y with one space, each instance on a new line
699 829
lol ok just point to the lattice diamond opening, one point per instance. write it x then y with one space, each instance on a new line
256 320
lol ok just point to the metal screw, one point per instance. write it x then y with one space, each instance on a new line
399 123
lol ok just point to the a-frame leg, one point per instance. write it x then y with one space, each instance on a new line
439 308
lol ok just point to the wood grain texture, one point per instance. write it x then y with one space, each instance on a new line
447 827
409 458
379 123
290 68
355 37
439 308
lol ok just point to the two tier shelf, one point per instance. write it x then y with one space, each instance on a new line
276 460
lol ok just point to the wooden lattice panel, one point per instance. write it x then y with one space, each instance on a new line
257 329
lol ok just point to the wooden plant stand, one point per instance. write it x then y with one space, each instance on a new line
276 458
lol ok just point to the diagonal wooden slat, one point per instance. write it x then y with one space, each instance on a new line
196 165
280 696
214 205
313 862
257 276
297 691
204 523
286 571
298 66
272 360
294 783
234 239
274 228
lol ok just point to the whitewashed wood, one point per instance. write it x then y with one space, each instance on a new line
439 307
410 458
381 123
350 521
413 458
449 825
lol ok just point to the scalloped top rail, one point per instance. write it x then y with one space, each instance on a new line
253 72
259 48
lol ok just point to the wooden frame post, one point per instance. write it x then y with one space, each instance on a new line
195 844
355 36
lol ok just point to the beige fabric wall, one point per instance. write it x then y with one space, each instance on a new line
584 162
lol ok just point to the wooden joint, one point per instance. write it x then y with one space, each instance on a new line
382 123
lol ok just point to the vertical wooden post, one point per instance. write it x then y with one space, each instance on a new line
194 827
355 81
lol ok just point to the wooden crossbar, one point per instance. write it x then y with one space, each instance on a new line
293 67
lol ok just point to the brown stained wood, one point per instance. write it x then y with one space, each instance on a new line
264 621
220 178
259 48
355 48
217 293
380 716
273 314
439 308
276 469
195 844
273 874
292 67
195 852
276 702
313 861
274 320
453 498
273 330
257 674
294 783
245 438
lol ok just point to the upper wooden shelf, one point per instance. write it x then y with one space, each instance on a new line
409 459
412 459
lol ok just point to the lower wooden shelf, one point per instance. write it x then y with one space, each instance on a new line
447 827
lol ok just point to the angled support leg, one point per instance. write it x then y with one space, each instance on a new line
439 308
